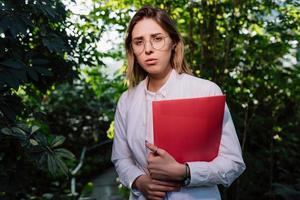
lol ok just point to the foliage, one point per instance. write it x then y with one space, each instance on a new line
250 49
34 52
43 91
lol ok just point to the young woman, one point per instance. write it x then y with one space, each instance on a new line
157 71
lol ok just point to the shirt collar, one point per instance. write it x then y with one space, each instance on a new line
163 90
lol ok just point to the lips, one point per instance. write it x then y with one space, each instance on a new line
151 61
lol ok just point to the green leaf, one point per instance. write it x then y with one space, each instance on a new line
44 71
6 131
34 129
48 196
40 61
33 142
13 63
24 127
110 132
64 153
10 80
51 164
58 140
61 165
19 74
41 138
6 22
19 131
16 135
18 27
43 159
49 10
54 44
33 75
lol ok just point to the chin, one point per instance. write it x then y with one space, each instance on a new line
152 69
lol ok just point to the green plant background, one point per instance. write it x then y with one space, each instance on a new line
56 97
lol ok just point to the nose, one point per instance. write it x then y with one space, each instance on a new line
148 47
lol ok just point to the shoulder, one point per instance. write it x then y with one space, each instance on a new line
130 95
200 84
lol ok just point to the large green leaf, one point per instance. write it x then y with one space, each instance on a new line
58 140
18 27
43 159
19 74
6 22
24 127
41 138
40 61
9 79
61 165
52 166
43 71
64 153
54 43
32 74
34 129
19 131
14 134
13 63
6 131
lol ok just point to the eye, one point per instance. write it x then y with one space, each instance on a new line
157 39
138 42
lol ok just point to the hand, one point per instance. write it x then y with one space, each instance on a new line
154 189
162 166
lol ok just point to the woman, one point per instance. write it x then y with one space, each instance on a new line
157 71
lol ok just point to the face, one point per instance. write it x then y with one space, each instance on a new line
152 47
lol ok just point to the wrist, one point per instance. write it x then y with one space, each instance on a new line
187 178
179 174
136 182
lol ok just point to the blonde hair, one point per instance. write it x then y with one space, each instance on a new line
135 73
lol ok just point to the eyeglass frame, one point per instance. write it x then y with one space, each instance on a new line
151 43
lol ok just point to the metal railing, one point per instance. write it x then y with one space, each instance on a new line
84 150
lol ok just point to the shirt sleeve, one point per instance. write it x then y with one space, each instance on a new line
227 166
121 153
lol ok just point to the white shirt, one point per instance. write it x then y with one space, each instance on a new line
133 125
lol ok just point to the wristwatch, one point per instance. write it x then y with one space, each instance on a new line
187 178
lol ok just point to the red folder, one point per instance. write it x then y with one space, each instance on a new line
189 129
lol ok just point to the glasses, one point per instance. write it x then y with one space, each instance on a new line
157 42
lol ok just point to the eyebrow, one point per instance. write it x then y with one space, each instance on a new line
141 37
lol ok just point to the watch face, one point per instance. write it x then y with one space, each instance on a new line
187 181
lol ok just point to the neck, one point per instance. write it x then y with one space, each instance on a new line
155 82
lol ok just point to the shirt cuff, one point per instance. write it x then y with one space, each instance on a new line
199 173
134 176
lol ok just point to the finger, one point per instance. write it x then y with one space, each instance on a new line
150 157
151 197
157 193
162 188
151 147
167 183
156 175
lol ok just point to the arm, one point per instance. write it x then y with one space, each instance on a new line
129 173
224 169
227 166
121 154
